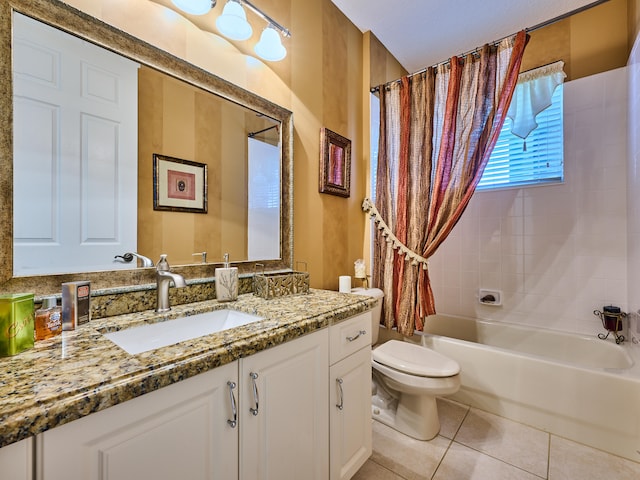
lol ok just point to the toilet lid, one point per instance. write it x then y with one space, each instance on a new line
415 359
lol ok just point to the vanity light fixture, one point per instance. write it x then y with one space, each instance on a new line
195 7
270 47
232 23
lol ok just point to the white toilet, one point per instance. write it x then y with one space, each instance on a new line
406 380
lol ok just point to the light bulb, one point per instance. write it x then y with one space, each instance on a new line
194 7
270 46
233 22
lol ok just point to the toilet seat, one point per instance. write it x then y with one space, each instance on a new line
415 384
415 360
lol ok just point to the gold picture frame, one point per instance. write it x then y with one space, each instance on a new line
335 164
179 185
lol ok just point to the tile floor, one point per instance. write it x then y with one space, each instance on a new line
476 445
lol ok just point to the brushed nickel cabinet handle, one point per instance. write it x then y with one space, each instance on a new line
233 422
341 404
361 332
253 376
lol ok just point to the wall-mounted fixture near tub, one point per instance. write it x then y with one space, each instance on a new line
612 322
490 297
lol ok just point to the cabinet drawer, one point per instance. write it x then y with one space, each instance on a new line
349 336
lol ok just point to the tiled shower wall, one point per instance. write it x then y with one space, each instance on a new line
555 252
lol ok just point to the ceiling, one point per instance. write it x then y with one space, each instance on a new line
420 33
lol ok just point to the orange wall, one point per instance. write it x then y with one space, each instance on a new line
383 66
634 21
589 42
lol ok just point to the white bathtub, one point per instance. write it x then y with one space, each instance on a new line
574 386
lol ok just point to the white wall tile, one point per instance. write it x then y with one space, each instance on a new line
556 252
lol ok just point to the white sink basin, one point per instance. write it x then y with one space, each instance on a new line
155 335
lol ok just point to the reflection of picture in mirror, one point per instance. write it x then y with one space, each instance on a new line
179 185
335 163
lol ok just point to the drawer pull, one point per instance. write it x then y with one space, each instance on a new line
341 404
355 337
253 376
234 422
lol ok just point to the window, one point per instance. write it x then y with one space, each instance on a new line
537 160
263 217
374 123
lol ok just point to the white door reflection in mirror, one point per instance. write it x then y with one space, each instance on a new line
75 134
264 200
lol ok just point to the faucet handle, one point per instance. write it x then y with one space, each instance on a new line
204 256
163 265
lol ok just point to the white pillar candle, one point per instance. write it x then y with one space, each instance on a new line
345 284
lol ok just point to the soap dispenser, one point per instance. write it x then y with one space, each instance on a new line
226 281
163 264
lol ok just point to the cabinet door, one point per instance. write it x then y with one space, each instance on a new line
16 460
177 432
350 396
284 429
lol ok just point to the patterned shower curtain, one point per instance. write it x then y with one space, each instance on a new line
437 131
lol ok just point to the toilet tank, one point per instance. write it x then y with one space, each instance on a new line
376 312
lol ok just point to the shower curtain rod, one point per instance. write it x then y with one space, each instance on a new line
253 134
496 42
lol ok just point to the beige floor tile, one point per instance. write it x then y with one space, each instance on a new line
514 443
451 415
410 458
372 471
463 463
569 460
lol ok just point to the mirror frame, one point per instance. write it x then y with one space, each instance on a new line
79 24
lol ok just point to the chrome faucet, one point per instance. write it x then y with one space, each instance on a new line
164 277
144 261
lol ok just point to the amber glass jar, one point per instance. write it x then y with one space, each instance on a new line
48 321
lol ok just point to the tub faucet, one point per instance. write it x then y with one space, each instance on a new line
164 277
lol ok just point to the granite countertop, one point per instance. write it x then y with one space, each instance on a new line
81 372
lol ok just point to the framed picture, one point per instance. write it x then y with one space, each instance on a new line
179 185
335 164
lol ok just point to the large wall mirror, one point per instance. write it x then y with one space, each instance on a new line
228 153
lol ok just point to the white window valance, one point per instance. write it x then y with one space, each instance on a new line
532 95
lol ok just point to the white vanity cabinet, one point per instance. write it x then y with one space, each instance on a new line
350 396
184 431
300 410
16 460
284 424
177 432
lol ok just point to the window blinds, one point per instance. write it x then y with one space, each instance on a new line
537 160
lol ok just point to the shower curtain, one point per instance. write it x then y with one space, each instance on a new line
437 131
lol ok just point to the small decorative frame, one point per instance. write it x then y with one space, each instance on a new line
179 185
335 163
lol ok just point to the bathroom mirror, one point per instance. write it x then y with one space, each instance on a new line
265 121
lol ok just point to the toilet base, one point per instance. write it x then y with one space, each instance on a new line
412 415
